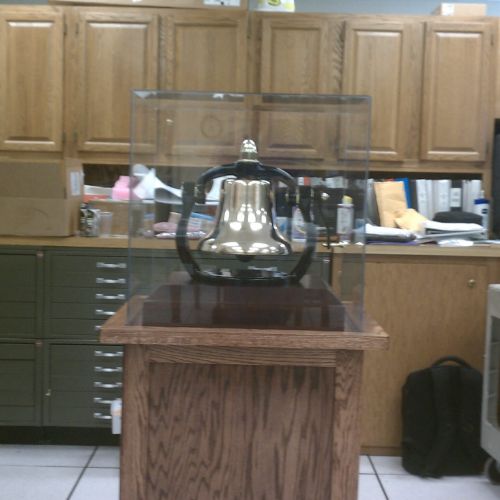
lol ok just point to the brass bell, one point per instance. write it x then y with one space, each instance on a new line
245 223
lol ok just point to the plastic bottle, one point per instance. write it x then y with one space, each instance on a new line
482 208
345 219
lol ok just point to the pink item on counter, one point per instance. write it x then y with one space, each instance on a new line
121 189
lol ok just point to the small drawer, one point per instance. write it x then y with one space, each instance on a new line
83 311
87 271
75 328
88 295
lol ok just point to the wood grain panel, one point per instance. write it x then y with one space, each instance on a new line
232 356
378 61
247 432
456 91
134 449
31 83
347 429
431 309
204 51
295 56
117 52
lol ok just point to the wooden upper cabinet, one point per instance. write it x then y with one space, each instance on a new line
379 61
31 79
116 53
204 51
298 55
456 90
295 56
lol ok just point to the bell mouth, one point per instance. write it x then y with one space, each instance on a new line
245 222
213 245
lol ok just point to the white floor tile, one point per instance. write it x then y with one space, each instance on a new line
40 483
106 456
98 484
369 488
69 456
365 466
408 487
388 465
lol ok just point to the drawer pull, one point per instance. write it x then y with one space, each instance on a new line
97 328
107 265
101 369
102 354
102 296
102 385
100 416
100 401
102 312
106 281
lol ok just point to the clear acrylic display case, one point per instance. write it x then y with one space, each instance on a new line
239 205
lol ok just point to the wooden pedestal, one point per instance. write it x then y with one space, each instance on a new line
240 413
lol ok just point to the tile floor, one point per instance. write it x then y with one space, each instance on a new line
91 473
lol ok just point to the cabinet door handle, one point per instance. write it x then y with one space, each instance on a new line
103 354
102 385
106 281
108 265
100 401
102 312
102 296
101 369
99 416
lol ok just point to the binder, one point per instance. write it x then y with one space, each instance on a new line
456 203
441 193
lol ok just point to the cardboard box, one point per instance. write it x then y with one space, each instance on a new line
40 199
460 9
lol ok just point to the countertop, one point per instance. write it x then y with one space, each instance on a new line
490 251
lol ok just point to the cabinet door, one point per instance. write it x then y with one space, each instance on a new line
204 51
31 87
297 55
379 61
116 53
431 308
20 383
455 101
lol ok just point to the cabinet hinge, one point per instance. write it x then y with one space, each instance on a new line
492 39
77 29
65 29
75 137
64 139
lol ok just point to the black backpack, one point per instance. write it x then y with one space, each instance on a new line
442 420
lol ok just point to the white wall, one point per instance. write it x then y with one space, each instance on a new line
416 7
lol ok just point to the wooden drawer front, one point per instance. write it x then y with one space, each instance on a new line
89 271
18 388
83 311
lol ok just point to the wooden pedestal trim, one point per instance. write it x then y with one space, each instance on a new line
347 425
247 356
134 453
